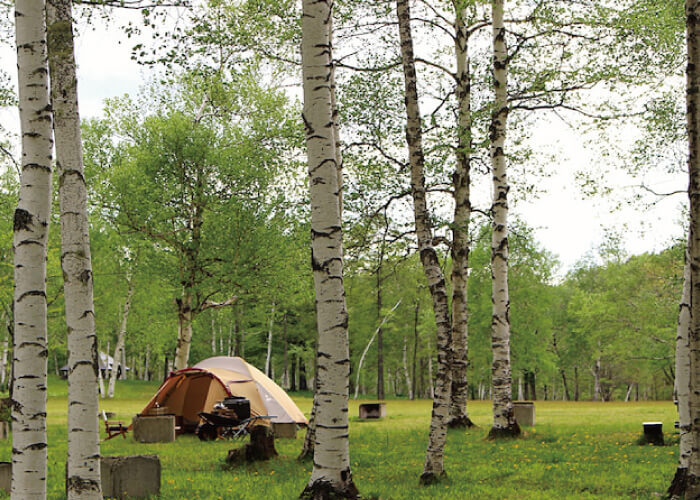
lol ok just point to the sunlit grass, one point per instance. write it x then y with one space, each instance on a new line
576 451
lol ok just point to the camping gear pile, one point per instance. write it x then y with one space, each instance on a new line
191 395
230 419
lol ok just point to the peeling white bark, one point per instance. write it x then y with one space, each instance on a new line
268 358
503 418
121 339
693 117
31 225
83 464
331 473
433 468
460 229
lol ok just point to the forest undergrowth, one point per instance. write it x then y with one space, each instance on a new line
576 450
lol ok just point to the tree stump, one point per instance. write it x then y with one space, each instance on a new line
653 433
261 447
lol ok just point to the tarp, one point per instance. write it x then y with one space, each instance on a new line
192 390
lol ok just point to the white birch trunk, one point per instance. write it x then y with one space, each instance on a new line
693 117
268 358
31 225
595 371
83 464
520 388
407 376
433 468
101 382
121 338
331 475
504 423
431 382
682 386
3 368
364 353
213 335
460 229
184 329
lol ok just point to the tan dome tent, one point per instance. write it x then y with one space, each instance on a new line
192 390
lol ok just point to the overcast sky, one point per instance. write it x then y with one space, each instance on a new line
566 223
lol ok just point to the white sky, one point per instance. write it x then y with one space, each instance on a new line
566 223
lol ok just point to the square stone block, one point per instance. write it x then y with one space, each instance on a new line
154 429
372 410
285 430
524 413
136 476
5 476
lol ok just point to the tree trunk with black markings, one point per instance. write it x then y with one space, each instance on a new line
83 467
331 476
459 416
434 465
31 230
504 423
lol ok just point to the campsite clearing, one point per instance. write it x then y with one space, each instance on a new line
577 451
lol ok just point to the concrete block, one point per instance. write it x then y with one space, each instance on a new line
136 476
5 476
372 410
285 430
156 429
524 413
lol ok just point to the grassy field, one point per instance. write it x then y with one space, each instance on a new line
576 451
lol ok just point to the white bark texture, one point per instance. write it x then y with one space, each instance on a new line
682 386
185 317
31 226
503 419
693 117
460 229
83 473
434 467
121 339
268 358
406 374
331 475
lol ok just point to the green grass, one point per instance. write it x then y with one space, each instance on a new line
576 451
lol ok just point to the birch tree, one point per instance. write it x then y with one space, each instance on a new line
83 467
121 338
331 476
693 116
31 224
682 387
433 468
504 423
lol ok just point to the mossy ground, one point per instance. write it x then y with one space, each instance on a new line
576 451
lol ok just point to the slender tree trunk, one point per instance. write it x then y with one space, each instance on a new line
213 335
576 384
504 423
121 338
597 390
3 368
146 365
693 116
380 337
331 476
415 349
433 468
285 355
221 339
682 385
431 379
31 225
231 346
460 229
567 396
185 317
520 388
371 340
268 358
407 376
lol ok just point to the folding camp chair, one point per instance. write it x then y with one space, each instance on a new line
114 428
